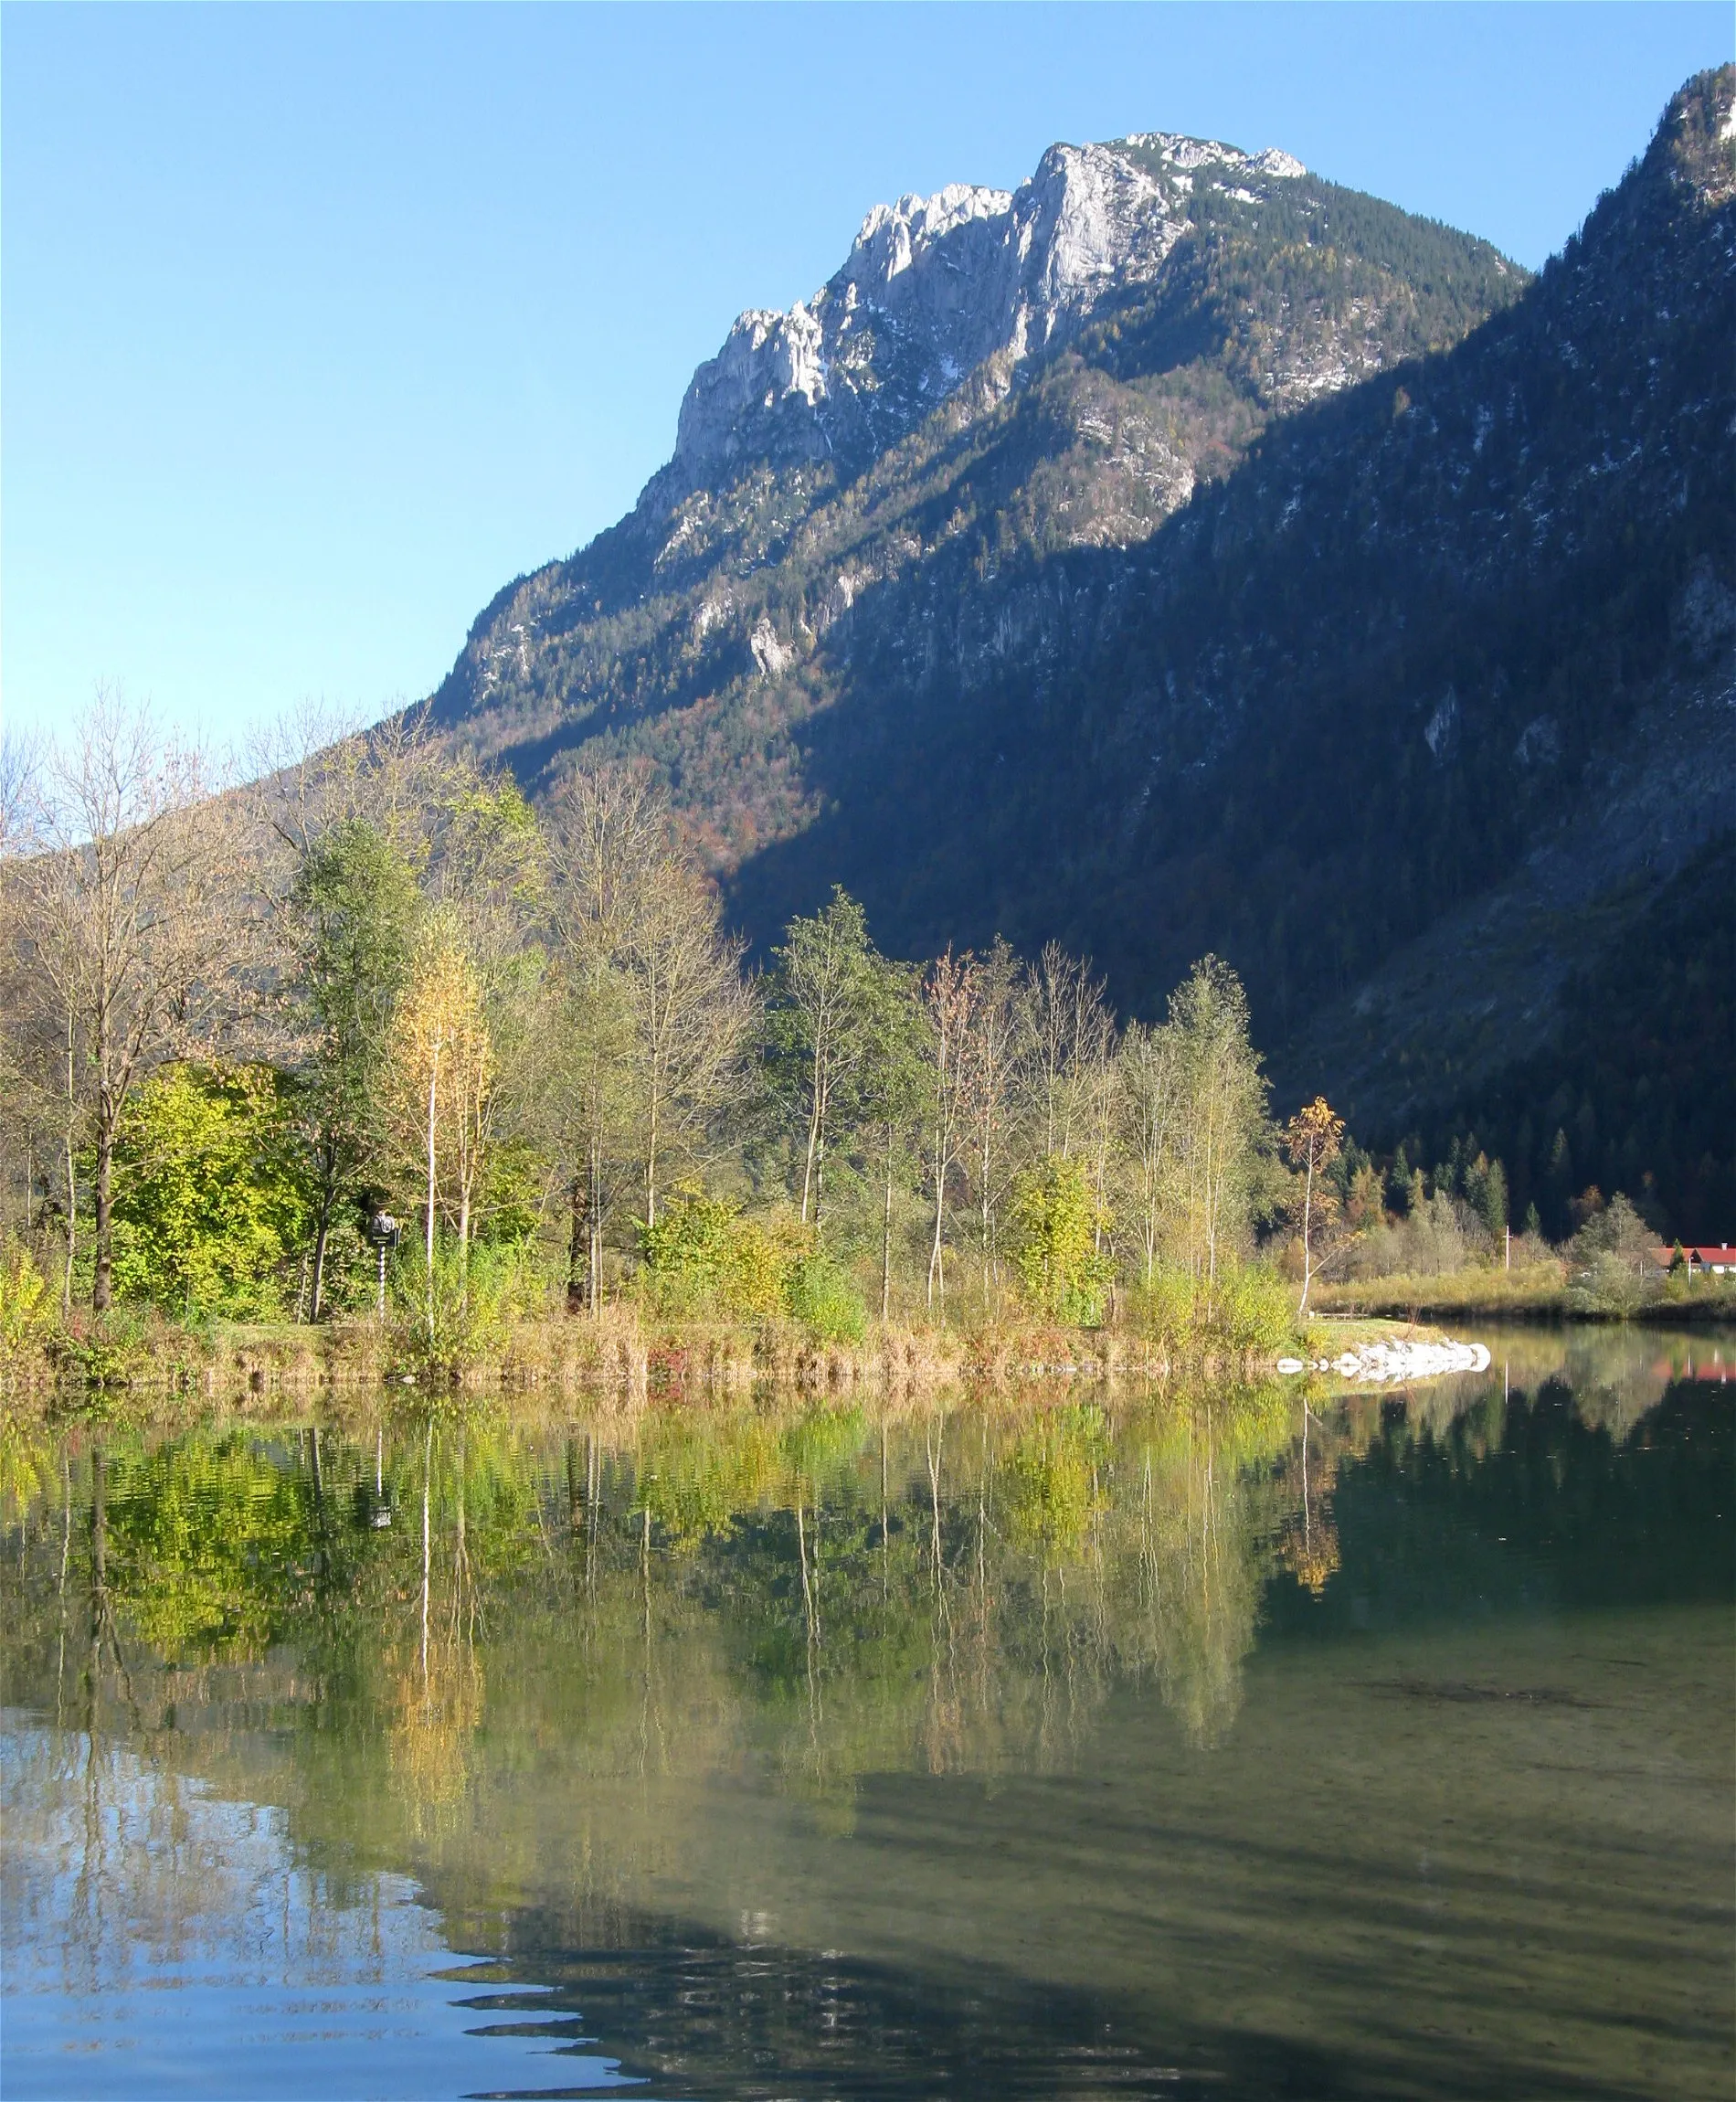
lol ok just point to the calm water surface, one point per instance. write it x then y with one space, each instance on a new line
1168 1746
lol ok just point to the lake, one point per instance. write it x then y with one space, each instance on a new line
1173 1744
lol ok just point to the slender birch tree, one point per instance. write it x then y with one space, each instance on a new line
992 1067
1148 1073
817 1026
950 994
1313 1139
439 1083
1222 1126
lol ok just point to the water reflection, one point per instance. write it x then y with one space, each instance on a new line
203 1956
656 1709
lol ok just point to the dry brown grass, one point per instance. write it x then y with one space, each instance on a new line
620 1359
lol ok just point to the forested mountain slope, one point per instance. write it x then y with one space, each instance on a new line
1286 576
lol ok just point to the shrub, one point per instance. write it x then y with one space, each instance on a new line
1256 1308
1163 1309
24 1300
464 1316
1055 1225
702 1257
822 1295
103 1349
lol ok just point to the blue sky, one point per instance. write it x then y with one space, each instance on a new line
320 324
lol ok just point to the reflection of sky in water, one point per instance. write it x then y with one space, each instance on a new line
1184 1743
161 1942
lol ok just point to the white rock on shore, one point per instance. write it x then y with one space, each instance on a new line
1398 1360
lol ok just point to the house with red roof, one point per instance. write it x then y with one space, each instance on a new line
1700 1261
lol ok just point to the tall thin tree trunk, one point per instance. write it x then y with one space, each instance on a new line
320 1233
937 1266
1308 1221
593 1280
577 1238
815 1119
433 1082
885 1242
102 1293
72 1176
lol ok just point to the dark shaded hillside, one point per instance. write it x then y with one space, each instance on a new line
1640 1080
1339 692
1347 688
1192 635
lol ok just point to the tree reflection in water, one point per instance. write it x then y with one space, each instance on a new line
828 1590
654 1666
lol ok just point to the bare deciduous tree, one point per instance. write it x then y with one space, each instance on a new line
949 995
1069 1030
693 1013
621 892
608 833
992 1060
1149 1090
134 914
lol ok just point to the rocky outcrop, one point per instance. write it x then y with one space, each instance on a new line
1111 334
934 287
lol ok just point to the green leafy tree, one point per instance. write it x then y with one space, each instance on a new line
1054 1220
700 1257
210 1195
355 904
1222 1126
1615 1266
816 1039
893 1025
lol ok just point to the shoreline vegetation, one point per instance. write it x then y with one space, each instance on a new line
155 1369
619 1356
359 1071
1548 1295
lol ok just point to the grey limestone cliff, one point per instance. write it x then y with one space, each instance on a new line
935 287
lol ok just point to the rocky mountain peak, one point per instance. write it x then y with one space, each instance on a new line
934 286
892 236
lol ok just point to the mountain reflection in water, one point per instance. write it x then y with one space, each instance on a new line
1168 1742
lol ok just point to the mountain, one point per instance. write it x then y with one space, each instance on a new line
1184 553
1055 369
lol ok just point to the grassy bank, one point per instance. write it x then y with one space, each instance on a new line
149 1365
1540 1294
621 1352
